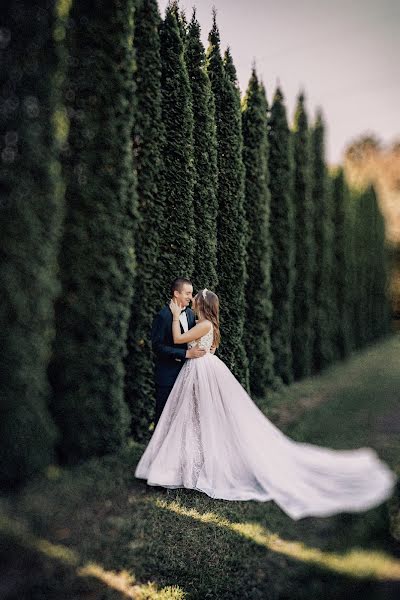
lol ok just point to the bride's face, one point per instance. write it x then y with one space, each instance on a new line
196 308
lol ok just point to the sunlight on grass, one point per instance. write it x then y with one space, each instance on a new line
123 581
356 563
55 551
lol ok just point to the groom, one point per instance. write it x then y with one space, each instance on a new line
170 357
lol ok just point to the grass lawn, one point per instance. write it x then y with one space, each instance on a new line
93 532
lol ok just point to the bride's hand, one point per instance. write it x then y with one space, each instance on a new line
175 308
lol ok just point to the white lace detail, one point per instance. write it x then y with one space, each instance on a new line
192 462
205 341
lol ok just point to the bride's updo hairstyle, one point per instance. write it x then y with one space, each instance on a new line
207 307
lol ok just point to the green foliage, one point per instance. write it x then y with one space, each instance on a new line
181 20
97 257
303 313
231 245
358 270
257 206
205 162
301 270
364 251
282 232
371 306
380 310
325 307
33 126
343 280
139 385
177 231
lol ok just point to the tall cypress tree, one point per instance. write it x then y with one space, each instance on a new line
369 303
181 20
205 161
376 301
231 236
325 313
342 268
303 314
351 241
257 206
364 248
33 127
282 232
360 242
148 136
177 232
381 310
97 258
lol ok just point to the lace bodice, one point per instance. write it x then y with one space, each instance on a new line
205 341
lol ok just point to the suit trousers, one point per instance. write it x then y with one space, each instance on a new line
162 393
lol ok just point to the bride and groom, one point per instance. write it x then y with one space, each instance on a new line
211 437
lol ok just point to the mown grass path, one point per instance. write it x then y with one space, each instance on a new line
94 532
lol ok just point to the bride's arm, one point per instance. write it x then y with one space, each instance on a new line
193 334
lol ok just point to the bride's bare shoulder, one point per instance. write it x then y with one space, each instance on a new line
205 324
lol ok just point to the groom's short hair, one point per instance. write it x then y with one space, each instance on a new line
178 284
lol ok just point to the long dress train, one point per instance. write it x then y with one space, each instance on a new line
212 437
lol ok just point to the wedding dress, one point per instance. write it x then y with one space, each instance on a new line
212 437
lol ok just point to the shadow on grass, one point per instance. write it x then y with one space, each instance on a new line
92 536
41 570
93 532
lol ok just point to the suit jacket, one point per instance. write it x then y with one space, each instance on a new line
169 358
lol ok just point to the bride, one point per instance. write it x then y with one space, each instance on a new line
212 437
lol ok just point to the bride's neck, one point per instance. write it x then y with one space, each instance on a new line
202 319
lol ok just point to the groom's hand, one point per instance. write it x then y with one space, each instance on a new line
195 353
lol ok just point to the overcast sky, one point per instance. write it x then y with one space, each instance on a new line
343 54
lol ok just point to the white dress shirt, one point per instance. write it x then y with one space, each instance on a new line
184 321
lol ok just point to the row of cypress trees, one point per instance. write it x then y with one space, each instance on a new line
67 230
263 203
165 171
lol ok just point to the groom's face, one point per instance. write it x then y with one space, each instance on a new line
184 296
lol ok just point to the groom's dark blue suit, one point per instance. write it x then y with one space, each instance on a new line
169 358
